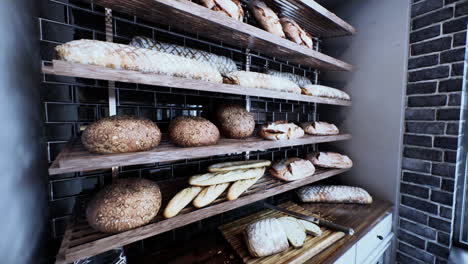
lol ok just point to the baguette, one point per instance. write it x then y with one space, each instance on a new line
324 91
209 194
261 81
320 128
310 228
265 237
292 169
280 130
119 56
330 160
294 231
239 187
334 194
208 179
238 165
267 18
180 200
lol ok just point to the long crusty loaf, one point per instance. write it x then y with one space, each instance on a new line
209 194
296 33
319 128
267 18
120 56
208 179
265 237
324 91
180 200
292 169
280 130
238 165
262 81
238 187
334 194
294 230
297 79
330 160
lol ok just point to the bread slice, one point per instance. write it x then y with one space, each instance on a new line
310 228
238 165
238 187
209 194
180 200
294 230
208 179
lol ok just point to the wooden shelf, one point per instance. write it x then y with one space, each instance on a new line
103 73
190 17
80 240
74 157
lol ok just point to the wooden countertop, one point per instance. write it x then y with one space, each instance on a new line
213 249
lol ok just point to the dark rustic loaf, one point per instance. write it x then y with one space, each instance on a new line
193 131
119 134
123 205
234 121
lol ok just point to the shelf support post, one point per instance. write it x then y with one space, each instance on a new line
248 61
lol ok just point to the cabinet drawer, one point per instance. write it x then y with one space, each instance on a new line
347 258
373 239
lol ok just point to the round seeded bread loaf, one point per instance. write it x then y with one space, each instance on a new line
123 205
234 121
193 131
119 134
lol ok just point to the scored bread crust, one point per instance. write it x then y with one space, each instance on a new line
234 121
230 8
119 56
324 91
193 131
300 80
261 81
330 160
292 169
319 128
238 187
238 165
267 18
120 134
209 194
294 230
296 33
181 200
334 194
280 130
124 205
224 177
265 237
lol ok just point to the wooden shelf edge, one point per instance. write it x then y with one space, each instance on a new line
71 69
101 245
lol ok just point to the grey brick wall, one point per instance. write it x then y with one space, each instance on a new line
435 69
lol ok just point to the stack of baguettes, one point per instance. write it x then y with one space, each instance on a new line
235 177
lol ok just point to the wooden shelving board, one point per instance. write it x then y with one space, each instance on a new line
71 69
190 17
74 157
81 241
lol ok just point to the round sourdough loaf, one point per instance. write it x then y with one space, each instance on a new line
193 131
123 205
119 134
234 121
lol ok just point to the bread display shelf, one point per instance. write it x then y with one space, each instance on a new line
81 241
190 17
74 157
71 69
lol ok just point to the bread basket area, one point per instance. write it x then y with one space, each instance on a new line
190 115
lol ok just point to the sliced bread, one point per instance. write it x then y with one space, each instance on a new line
294 231
310 228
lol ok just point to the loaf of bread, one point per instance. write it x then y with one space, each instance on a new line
324 91
292 169
180 200
320 128
310 228
230 8
267 18
234 121
265 237
118 56
296 33
330 160
280 130
295 231
124 205
238 165
239 187
262 81
192 131
300 80
222 63
209 194
334 194
208 179
119 134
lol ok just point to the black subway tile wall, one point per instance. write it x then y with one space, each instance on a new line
437 37
69 104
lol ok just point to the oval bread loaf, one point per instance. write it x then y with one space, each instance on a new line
292 169
265 237
324 91
123 205
234 121
334 194
330 160
193 131
119 134
320 128
280 130
267 18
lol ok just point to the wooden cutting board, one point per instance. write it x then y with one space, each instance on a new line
233 232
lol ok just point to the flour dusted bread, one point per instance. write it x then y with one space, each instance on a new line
238 165
280 130
334 194
310 228
181 200
292 169
267 18
294 230
324 91
209 194
234 121
120 134
230 8
119 56
300 80
330 160
208 179
319 128
193 131
265 237
124 205
296 33
262 81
